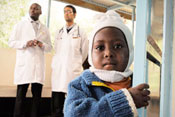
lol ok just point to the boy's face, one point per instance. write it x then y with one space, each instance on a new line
110 50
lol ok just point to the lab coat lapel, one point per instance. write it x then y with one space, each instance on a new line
72 31
65 30
29 31
30 28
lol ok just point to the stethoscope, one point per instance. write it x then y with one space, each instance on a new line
62 30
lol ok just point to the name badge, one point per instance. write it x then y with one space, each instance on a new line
76 37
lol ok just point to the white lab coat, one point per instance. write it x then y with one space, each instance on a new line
71 50
30 65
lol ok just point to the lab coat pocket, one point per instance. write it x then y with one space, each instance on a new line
76 43
77 67
20 59
53 65
57 46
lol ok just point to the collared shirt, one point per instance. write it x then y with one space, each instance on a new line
35 25
69 28
125 83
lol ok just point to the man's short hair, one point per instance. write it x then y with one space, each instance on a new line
72 7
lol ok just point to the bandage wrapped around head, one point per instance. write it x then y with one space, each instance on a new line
111 19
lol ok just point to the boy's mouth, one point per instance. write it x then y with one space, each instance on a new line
109 65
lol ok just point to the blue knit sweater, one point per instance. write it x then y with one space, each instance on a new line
87 97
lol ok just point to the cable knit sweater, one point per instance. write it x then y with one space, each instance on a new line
88 96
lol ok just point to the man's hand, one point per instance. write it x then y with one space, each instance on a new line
39 43
30 43
34 43
140 95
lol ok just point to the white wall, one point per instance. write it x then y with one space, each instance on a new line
7 64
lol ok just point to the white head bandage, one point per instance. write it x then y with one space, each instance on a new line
111 19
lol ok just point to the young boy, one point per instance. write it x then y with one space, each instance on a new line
105 89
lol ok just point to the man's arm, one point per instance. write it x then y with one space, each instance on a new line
14 41
46 44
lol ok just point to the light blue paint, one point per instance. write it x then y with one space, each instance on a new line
133 19
123 4
148 33
95 3
48 13
140 45
146 81
140 42
166 80
147 65
149 17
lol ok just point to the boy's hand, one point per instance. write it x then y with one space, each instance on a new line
140 95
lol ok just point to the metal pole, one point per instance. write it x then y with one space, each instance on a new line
133 19
166 80
140 45
48 13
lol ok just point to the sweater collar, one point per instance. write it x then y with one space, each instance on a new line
90 77
110 76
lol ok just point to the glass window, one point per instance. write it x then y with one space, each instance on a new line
84 18
11 13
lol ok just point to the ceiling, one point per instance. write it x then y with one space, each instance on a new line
123 7
157 19
126 8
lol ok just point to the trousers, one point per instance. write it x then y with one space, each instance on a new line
19 110
57 103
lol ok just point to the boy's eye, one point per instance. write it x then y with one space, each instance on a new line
117 46
99 48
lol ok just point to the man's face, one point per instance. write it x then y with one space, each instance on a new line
69 16
35 11
110 50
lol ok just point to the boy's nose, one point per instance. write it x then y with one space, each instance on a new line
108 53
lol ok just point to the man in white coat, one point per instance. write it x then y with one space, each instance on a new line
31 39
71 48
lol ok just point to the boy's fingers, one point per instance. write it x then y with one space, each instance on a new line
146 103
145 92
143 86
147 98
